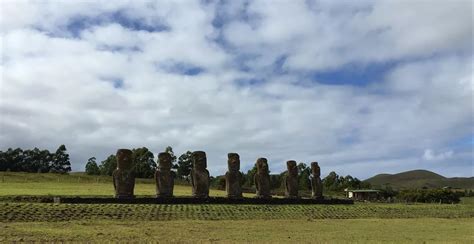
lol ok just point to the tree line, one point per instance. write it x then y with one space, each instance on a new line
35 160
42 161
144 164
145 167
429 195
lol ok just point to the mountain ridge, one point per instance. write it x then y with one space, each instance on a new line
419 178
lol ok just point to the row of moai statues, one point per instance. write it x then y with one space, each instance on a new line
124 178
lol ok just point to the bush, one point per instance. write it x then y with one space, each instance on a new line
429 196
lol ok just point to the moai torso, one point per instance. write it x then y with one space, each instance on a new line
123 176
262 179
163 176
233 176
291 180
200 175
316 183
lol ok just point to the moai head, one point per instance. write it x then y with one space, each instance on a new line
292 169
315 170
199 160
124 159
233 162
262 166
164 161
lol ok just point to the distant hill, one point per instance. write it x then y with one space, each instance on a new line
419 179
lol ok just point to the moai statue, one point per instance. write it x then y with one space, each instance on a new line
291 180
233 176
200 175
163 176
123 176
316 183
262 179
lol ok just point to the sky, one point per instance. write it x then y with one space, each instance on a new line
362 87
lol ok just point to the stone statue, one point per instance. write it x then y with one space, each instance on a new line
262 179
163 176
124 176
233 177
200 175
316 183
291 180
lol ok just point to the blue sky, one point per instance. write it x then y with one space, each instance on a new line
362 87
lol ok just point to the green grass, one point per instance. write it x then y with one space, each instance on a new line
86 189
361 222
14 183
268 231
467 200
79 184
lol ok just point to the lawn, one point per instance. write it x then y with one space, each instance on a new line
270 231
86 189
361 222
79 185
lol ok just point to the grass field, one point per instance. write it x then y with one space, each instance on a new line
79 185
296 231
361 222
86 189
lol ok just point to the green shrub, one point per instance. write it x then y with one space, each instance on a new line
429 196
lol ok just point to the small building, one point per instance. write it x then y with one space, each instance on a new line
362 194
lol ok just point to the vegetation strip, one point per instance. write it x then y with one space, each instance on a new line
28 212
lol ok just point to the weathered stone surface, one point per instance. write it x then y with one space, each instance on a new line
200 175
316 183
163 176
124 176
233 176
291 180
262 179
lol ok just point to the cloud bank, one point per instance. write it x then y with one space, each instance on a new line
362 87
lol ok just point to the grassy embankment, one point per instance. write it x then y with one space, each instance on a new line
256 223
15 183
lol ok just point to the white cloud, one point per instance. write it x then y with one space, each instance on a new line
58 88
430 155
324 36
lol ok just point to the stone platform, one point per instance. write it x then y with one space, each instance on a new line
176 200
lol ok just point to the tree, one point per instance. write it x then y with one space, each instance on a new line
217 182
334 182
250 175
46 160
429 196
61 163
14 159
40 160
91 167
169 150
330 182
35 160
387 191
3 161
144 163
276 181
26 161
108 166
303 177
184 165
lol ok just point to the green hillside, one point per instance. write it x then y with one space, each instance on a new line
419 179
